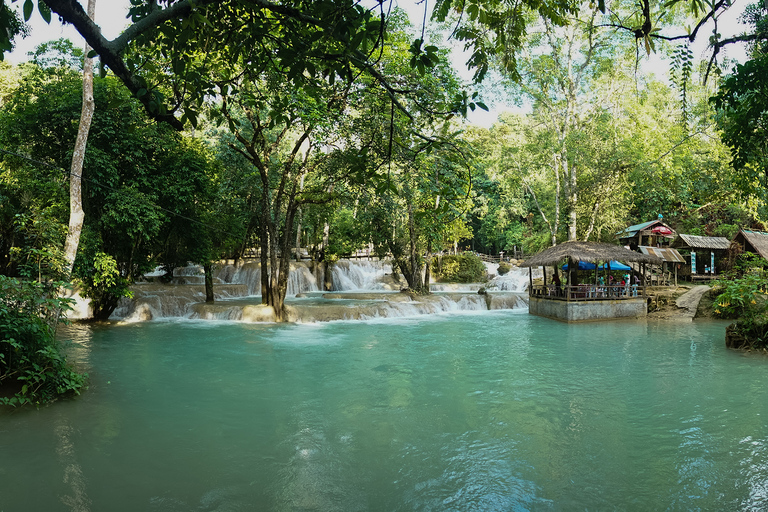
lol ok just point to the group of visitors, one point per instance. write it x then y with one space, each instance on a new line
625 286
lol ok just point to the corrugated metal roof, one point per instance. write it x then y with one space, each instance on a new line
632 230
758 240
663 253
705 242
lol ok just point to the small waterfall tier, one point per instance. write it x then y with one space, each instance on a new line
351 275
516 280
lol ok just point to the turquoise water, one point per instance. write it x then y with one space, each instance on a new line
476 412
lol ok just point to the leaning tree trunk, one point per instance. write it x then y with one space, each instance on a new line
76 214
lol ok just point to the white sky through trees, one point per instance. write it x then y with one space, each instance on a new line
111 17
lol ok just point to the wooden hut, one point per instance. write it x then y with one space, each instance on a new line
670 259
593 300
653 233
755 242
703 253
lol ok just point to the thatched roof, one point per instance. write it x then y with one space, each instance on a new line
592 252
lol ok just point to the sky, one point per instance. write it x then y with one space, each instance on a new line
111 17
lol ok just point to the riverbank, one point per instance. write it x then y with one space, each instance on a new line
672 303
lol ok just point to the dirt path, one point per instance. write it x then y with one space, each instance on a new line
689 301
679 304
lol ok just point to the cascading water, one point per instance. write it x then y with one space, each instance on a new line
516 280
238 289
351 275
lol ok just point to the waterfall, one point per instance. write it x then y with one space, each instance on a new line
516 280
185 297
301 280
360 275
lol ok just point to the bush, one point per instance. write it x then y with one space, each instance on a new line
29 355
462 268
741 295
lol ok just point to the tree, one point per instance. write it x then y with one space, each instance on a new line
421 178
148 188
742 109
76 214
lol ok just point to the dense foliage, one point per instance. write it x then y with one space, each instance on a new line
30 362
741 295
460 268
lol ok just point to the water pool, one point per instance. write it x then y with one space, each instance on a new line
470 412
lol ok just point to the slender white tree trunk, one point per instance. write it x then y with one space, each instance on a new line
76 214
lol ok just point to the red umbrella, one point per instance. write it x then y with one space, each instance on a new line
661 230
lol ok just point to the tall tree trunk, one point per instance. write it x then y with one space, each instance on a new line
208 268
76 214
327 277
414 268
428 266
264 249
573 197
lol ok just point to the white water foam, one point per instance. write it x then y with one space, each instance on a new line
359 275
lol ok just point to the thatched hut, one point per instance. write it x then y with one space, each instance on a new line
598 299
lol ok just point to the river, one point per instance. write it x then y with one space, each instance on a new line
474 411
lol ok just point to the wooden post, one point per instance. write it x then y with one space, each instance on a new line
530 280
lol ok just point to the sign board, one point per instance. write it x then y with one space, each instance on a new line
693 262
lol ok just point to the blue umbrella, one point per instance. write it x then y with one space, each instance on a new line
615 265
583 265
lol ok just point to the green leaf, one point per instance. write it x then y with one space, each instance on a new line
28 7
45 11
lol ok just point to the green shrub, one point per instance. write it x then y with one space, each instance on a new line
741 293
461 268
29 355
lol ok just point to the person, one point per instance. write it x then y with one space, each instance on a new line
556 281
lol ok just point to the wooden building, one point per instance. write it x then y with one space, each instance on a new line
755 242
703 254
653 233
670 259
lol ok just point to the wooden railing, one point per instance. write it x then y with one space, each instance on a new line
587 292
